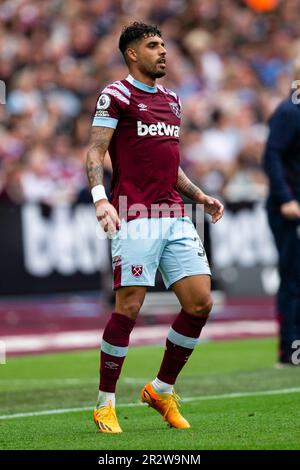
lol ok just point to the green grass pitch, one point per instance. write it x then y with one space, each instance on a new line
224 384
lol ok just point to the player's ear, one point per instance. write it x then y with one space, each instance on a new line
131 54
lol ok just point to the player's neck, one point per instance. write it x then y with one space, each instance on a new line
137 75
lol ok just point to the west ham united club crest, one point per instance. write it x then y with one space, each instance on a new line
136 270
176 109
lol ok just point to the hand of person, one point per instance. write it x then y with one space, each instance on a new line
212 206
290 210
107 216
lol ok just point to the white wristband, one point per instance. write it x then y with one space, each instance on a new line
98 192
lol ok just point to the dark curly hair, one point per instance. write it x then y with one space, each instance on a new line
135 32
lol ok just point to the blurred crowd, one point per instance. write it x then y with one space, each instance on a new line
230 65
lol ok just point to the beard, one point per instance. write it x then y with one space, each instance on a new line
158 74
153 73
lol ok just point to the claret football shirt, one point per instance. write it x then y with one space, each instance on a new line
144 149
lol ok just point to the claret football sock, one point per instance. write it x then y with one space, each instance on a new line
114 347
161 387
181 341
105 399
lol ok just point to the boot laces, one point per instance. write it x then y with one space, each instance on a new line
172 402
109 412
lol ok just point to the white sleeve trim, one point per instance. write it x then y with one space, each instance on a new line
105 122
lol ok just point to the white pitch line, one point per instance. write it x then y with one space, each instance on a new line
67 381
42 382
283 391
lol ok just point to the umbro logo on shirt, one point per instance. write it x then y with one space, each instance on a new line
143 107
161 128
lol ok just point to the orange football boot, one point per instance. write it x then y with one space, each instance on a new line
166 404
106 419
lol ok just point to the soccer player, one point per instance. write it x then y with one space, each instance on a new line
138 122
282 165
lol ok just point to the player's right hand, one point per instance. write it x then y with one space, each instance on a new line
290 210
107 216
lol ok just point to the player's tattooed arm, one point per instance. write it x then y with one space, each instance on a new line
99 142
186 187
105 212
212 206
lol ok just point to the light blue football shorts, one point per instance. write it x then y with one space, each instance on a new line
170 244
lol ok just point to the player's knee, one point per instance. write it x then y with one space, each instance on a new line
202 307
131 308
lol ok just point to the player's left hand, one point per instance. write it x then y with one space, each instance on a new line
212 206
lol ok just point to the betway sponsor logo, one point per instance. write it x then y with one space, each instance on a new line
160 128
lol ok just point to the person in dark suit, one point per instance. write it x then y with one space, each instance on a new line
282 166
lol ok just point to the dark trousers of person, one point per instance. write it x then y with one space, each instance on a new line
287 239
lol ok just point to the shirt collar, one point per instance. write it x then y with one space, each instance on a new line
141 85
